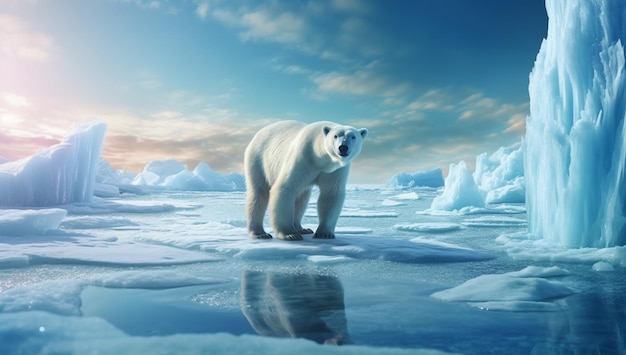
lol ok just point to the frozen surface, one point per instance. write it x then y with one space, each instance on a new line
24 222
427 178
176 270
575 139
61 174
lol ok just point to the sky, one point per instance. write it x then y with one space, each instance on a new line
434 82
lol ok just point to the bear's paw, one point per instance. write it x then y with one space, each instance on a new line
293 236
261 236
324 235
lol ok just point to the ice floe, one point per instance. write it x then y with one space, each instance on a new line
523 290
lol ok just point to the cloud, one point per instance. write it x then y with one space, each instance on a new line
18 40
202 10
331 30
439 127
369 80
15 100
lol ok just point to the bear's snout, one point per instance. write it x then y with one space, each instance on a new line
343 150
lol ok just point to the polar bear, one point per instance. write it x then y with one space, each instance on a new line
283 162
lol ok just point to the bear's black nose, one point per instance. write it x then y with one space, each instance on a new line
343 150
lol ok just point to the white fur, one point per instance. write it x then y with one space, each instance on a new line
282 163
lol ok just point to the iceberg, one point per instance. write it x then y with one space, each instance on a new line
427 178
501 175
575 144
174 175
460 190
61 174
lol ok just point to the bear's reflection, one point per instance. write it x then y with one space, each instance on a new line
295 305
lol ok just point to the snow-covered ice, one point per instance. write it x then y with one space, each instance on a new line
22 222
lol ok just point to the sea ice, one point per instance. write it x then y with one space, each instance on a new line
61 174
25 222
406 196
428 227
494 221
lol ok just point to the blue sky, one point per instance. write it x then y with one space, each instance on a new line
435 82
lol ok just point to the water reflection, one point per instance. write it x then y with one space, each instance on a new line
591 324
307 306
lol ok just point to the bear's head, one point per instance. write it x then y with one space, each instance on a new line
343 143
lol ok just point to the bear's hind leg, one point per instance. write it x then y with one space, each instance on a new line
256 204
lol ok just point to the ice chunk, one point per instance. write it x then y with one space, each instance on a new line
151 279
427 178
602 266
575 141
525 285
501 175
24 222
517 306
59 297
96 222
494 221
460 190
432 227
58 175
329 260
106 190
406 196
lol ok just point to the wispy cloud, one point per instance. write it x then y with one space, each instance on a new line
19 40
15 100
202 10
368 80
437 128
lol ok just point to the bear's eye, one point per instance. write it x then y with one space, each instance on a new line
353 137
335 136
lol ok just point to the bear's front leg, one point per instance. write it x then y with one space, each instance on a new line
282 212
329 207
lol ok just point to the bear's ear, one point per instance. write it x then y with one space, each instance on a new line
325 129
363 132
